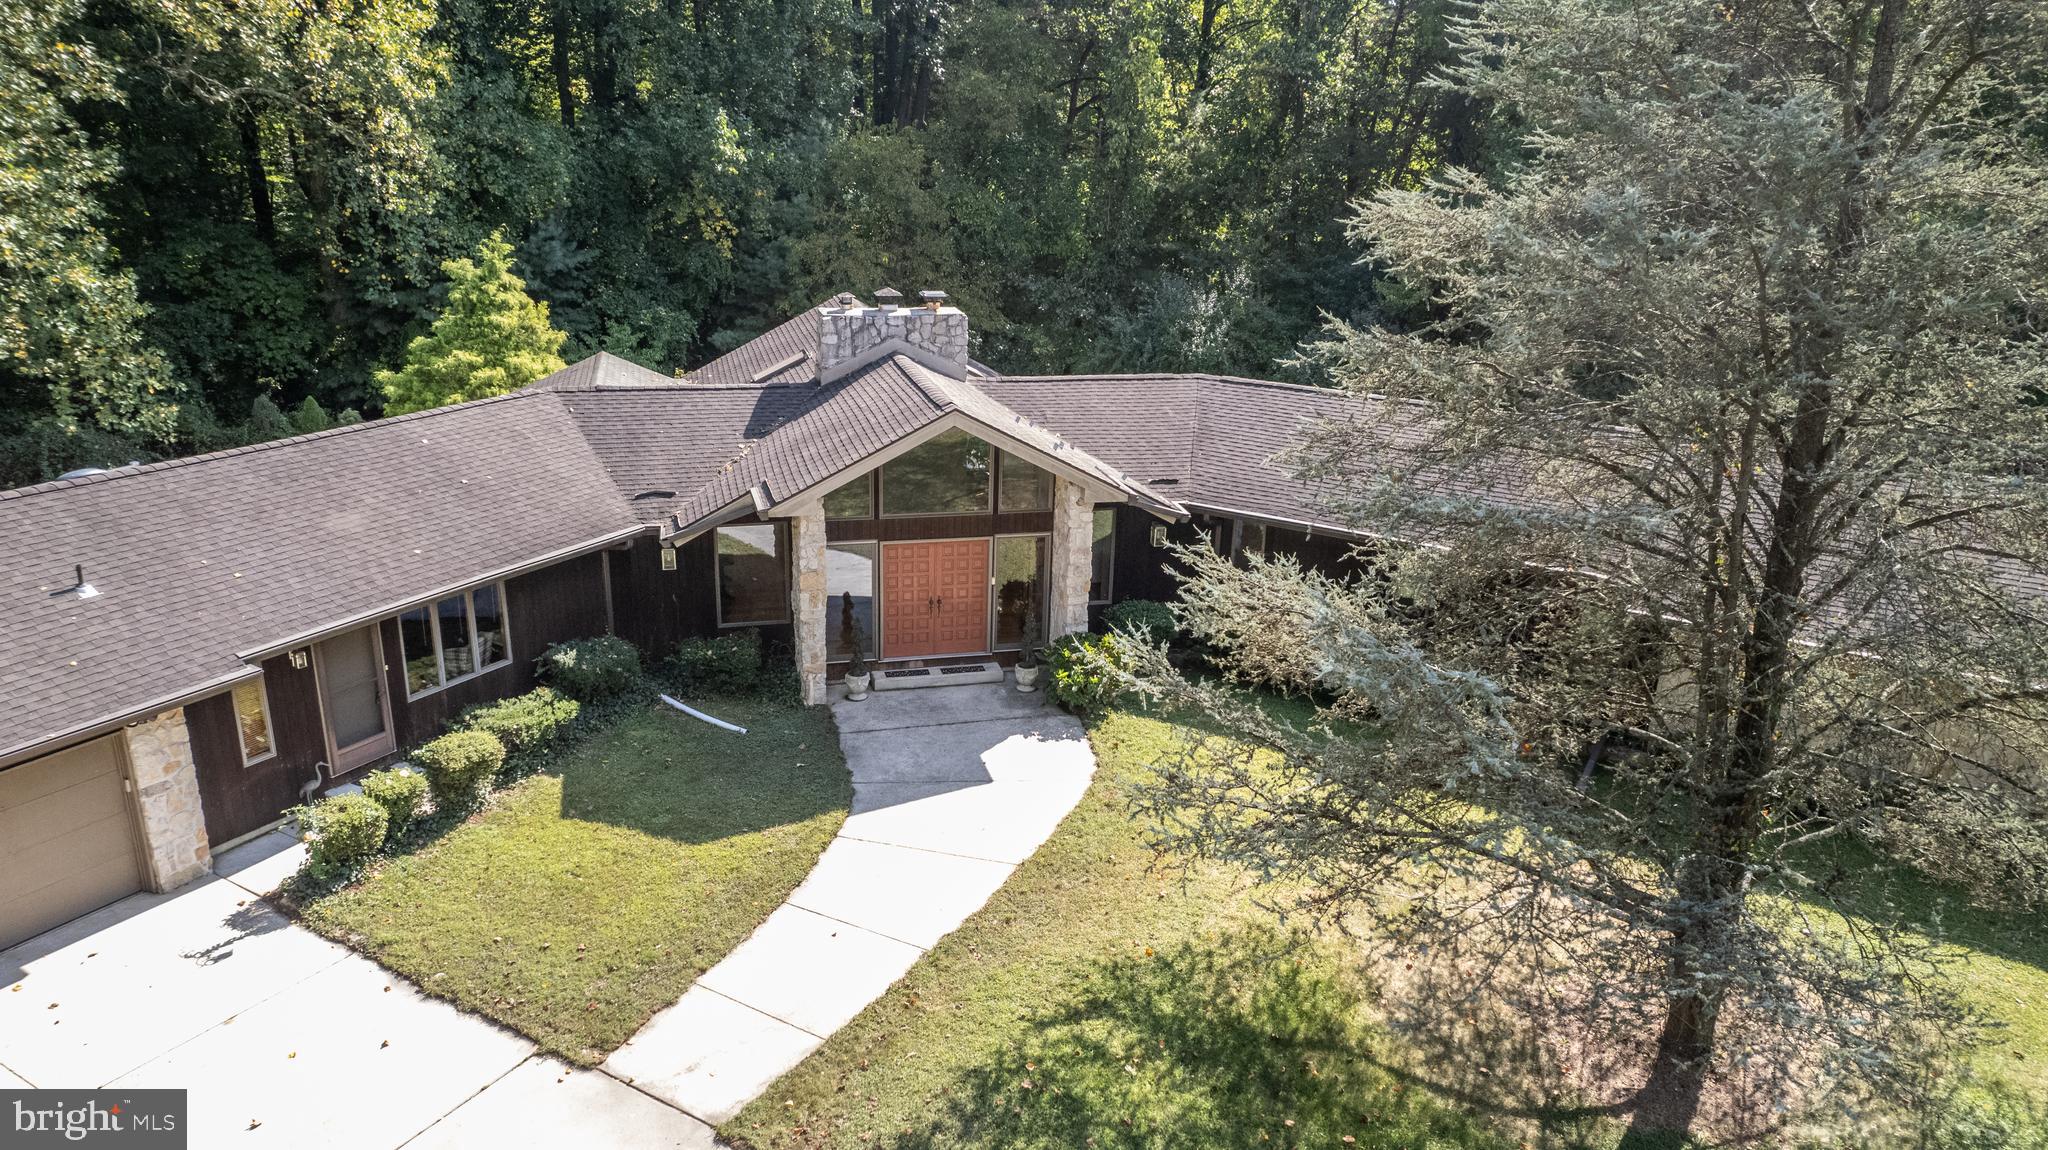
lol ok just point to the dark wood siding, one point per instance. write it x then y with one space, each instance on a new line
237 799
1141 571
1325 553
654 608
657 609
551 605
939 526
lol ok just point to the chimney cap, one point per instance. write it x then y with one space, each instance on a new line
887 297
933 299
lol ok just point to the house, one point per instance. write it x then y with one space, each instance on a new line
191 647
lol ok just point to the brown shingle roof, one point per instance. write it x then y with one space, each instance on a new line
603 370
710 445
782 354
199 558
822 431
1208 440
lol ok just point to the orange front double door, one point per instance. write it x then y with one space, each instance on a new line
934 598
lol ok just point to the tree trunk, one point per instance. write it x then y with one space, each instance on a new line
260 208
1670 1100
1205 47
890 63
1712 878
921 105
860 50
565 80
309 171
604 56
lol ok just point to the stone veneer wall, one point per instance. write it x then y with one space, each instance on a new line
1073 536
807 601
846 333
167 791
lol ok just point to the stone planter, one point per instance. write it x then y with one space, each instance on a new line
1027 678
857 686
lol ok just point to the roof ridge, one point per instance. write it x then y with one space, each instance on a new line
124 472
680 385
791 320
928 382
1177 376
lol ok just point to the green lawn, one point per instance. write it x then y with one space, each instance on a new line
1097 1001
1996 960
591 896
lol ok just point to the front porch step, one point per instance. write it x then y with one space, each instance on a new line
902 678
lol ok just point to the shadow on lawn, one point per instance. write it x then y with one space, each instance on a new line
1249 1040
663 773
1854 879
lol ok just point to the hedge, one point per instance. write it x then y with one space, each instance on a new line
523 722
591 669
343 832
727 665
459 766
1081 666
400 793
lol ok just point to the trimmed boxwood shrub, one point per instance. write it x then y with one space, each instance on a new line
727 665
342 833
459 765
524 722
591 669
1079 679
400 793
1145 618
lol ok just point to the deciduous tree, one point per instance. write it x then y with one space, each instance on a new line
71 351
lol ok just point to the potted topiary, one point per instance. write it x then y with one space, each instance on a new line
857 677
1029 666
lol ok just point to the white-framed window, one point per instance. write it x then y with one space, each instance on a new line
252 721
1101 554
447 641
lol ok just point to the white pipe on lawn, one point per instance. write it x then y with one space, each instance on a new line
695 713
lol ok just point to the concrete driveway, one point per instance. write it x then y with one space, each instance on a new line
952 788
282 1038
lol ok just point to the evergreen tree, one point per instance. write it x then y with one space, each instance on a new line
267 421
1720 487
490 339
309 417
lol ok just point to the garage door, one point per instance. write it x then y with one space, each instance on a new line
67 839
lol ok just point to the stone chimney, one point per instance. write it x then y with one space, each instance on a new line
851 334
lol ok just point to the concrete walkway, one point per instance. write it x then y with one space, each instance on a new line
952 788
282 1038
